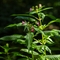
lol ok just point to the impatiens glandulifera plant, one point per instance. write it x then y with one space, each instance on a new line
35 40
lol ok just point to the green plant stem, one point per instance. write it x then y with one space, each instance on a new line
39 19
32 55
42 35
43 44
28 56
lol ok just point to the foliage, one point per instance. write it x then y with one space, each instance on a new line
27 46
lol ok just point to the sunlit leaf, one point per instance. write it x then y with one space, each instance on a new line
30 51
20 41
53 57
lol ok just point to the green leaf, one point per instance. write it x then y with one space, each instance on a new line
42 57
46 8
20 41
51 16
26 16
41 48
41 15
17 54
49 40
11 37
11 25
38 30
32 12
14 25
30 51
55 32
29 39
48 49
35 42
19 24
57 20
19 15
52 32
6 48
53 57
42 27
